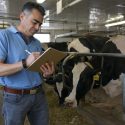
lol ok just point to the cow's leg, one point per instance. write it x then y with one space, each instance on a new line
76 75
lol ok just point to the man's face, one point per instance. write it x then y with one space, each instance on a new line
31 22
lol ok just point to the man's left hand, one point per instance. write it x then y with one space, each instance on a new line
47 69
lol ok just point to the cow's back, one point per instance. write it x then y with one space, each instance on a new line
119 40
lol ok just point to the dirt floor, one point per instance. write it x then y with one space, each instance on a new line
99 109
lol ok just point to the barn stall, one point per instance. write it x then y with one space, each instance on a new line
67 20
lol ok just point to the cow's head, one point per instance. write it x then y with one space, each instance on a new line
76 84
88 78
62 85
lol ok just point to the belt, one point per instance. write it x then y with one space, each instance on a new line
23 91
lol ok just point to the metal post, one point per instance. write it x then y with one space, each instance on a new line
123 97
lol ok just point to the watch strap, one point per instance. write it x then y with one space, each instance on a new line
24 63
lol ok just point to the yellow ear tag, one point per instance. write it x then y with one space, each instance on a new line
96 77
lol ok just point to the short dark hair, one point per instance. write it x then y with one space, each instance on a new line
33 5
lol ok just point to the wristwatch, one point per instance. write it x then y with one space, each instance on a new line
24 63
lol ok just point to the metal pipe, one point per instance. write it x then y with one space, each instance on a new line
97 54
63 71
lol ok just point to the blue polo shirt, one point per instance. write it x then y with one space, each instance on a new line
12 50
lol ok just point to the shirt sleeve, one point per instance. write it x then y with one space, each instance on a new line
3 45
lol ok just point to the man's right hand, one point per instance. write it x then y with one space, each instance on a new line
31 58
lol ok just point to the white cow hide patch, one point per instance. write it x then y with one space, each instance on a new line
113 88
78 68
59 87
78 46
119 40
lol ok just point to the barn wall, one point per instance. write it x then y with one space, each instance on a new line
57 32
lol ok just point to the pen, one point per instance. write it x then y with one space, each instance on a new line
27 51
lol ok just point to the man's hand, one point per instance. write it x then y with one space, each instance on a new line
31 58
47 69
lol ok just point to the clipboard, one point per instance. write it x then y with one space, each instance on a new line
48 56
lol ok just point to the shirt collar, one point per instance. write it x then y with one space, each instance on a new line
13 29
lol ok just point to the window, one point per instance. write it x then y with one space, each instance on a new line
43 38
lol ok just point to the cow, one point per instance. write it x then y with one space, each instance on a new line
62 46
85 44
88 44
111 70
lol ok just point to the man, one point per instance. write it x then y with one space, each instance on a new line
23 94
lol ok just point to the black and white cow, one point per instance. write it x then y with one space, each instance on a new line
86 45
89 43
112 69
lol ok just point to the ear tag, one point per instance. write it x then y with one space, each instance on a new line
96 77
